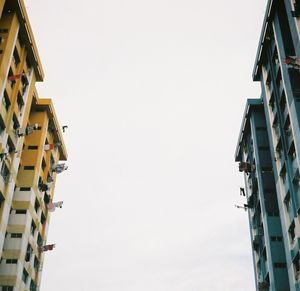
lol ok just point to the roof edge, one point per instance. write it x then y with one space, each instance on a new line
267 17
47 102
249 104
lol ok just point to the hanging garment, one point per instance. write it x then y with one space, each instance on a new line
49 146
46 248
51 206
21 132
59 168
293 62
242 192
26 131
245 167
31 128
14 77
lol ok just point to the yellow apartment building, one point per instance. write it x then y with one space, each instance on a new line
31 151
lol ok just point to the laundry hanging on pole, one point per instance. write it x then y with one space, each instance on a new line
46 248
53 205
246 167
292 61
59 168
245 207
27 130
242 191
49 146
14 77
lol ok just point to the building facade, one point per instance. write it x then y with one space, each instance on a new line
269 151
31 148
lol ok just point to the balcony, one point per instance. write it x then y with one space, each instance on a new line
9 269
24 195
13 243
19 219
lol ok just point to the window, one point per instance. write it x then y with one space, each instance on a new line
28 253
287 126
272 102
267 169
43 164
39 241
16 57
16 235
5 172
1 198
36 264
25 188
5 100
283 101
275 54
268 80
43 219
40 184
265 254
283 173
276 238
33 286
32 228
3 30
10 145
296 264
292 231
33 147
2 125
24 81
261 128
287 201
52 161
21 211
11 261
46 198
49 177
292 151
28 167
280 265
28 63
51 126
16 123
36 205
273 214
20 101
278 78
25 276
7 288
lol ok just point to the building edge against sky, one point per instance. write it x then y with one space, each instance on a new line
269 151
31 146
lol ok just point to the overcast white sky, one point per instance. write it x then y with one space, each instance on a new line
153 93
